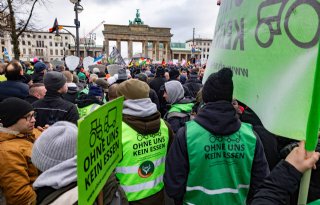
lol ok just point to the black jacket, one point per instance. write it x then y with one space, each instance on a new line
37 77
282 182
53 108
72 94
220 119
13 89
154 98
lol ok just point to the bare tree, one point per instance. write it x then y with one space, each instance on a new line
15 18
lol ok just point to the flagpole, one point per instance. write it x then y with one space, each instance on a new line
312 131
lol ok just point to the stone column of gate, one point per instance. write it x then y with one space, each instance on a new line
179 58
167 50
154 54
145 47
157 51
130 51
106 47
119 46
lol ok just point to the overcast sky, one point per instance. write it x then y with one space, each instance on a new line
179 15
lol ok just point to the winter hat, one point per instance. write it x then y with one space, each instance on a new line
143 77
54 80
122 74
96 70
56 144
173 73
133 89
160 71
219 86
81 76
12 109
95 91
39 66
174 91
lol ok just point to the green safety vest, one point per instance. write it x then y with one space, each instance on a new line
142 168
220 166
316 202
187 108
87 110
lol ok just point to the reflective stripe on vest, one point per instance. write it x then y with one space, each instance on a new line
223 162
142 168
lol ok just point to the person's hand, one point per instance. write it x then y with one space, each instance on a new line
42 128
301 159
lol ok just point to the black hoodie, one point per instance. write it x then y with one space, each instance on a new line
219 118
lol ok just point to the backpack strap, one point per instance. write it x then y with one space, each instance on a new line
54 195
177 114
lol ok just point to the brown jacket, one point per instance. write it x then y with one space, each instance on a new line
148 125
17 173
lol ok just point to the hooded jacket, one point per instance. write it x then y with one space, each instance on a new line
17 173
145 121
218 118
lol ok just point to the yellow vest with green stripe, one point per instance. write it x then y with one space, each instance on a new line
142 168
220 166
87 110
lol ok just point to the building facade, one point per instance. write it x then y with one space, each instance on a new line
38 44
201 44
180 52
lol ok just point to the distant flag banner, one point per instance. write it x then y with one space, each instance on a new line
115 54
183 62
142 61
98 59
6 54
272 49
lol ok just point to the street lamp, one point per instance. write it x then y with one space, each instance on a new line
77 9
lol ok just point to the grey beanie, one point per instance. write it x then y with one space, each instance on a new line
54 80
56 144
174 91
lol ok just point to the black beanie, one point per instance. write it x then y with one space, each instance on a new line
54 80
219 86
12 109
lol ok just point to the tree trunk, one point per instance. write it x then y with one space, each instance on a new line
14 36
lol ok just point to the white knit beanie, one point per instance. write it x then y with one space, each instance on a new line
55 145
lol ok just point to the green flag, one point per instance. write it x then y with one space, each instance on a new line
99 149
272 49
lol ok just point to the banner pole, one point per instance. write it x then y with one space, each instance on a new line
312 131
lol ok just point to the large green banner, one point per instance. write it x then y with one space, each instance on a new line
272 48
99 149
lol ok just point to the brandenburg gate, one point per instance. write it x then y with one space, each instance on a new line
136 31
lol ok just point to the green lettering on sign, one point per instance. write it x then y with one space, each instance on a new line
99 149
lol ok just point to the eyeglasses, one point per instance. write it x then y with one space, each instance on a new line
29 117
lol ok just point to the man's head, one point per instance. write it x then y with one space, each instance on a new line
112 94
68 75
37 90
96 91
219 86
173 91
17 115
56 144
13 71
174 74
55 82
133 89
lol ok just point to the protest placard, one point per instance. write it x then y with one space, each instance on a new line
99 149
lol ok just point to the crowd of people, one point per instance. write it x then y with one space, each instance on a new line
207 147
